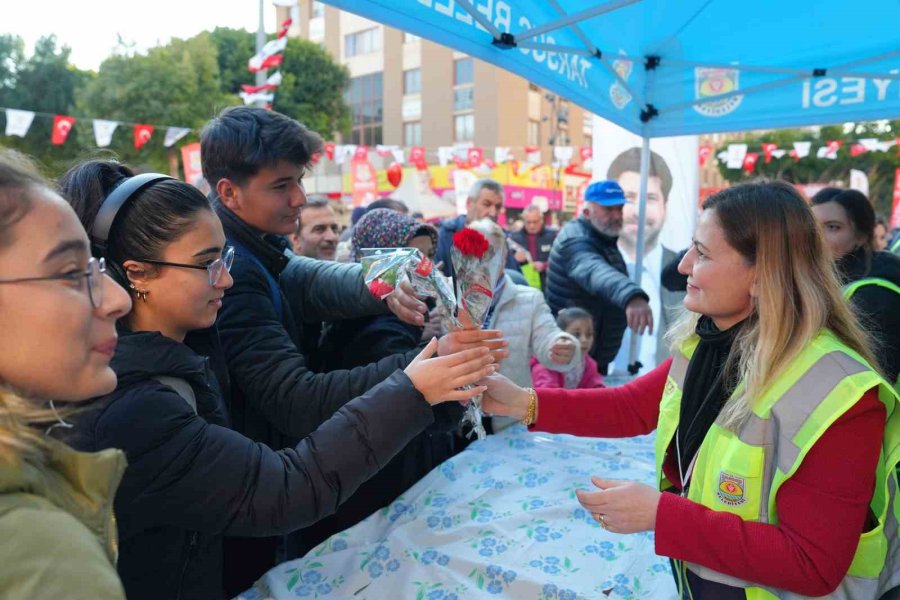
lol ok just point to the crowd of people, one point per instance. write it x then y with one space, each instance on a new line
195 389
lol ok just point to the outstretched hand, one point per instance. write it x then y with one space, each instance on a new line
504 398
404 303
440 379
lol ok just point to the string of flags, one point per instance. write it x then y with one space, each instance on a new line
18 123
463 156
738 156
270 57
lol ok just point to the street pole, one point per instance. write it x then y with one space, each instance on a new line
260 42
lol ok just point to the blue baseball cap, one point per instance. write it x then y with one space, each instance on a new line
605 193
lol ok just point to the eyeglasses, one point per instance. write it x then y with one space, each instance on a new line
96 268
215 269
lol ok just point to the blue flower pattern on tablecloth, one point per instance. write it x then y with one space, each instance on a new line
500 520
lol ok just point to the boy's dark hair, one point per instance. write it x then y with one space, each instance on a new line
244 139
567 316
146 223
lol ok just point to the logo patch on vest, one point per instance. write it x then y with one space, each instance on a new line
731 489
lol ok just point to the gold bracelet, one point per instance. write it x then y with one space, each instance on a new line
529 419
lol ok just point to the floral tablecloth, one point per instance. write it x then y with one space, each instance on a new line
498 520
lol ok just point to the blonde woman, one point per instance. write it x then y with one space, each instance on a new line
57 334
770 421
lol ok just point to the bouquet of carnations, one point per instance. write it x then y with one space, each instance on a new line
477 267
387 268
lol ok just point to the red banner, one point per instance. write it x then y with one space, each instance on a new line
62 125
190 160
476 157
895 212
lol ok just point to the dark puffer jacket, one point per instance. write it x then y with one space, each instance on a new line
587 270
191 480
878 306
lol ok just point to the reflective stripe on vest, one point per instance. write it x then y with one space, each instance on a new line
742 473
851 288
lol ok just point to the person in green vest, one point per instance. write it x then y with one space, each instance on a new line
871 279
776 438
57 333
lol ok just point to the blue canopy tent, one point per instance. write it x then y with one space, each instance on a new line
677 67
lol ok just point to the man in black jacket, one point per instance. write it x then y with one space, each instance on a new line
255 160
587 270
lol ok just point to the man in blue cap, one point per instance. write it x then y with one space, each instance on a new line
587 270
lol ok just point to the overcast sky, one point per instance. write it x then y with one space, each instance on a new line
91 27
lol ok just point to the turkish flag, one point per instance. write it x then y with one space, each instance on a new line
750 161
767 151
795 155
857 149
62 125
284 28
475 157
329 150
361 153
586 153
704 152
417 157
142 135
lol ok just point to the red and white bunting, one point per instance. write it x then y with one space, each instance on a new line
142 135
103 132
18 122
285 27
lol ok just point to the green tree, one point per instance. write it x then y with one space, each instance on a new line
234 48
45 82
12 57
312 89
173 85
878 166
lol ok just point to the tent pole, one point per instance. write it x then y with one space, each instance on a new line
635 348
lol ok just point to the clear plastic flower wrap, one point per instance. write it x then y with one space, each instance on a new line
477 267
387 268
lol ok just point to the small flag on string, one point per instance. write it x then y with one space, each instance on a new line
704 152
750 161
18 122
417 157
563 154
62 126
103 132
361 153
533 155
829 151
768 149
173 134
329 150
501 154
142 135
283 31
475 157
801 149
261 63
264 97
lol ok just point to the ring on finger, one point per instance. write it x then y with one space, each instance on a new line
602 520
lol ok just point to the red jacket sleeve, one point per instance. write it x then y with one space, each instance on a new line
624 411
541 376
809 551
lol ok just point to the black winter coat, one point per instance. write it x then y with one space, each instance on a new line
587 270
878 307
191 480
349 343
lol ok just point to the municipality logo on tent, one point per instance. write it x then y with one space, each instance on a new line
709 83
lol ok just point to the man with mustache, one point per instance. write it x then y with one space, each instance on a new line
587 270
626 170
317 233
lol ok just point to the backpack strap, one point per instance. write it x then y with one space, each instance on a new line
181 387
274 290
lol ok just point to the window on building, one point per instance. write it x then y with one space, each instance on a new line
463 71
318 10
362 42
464 128
534 133
409 38
463 99
412 81
364 97
412 133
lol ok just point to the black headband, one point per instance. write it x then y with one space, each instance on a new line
117 198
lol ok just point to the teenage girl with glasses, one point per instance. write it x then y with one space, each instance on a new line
191 479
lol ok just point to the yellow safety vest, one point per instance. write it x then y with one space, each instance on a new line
741 473
851 289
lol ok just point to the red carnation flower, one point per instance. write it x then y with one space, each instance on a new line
380 288
470 242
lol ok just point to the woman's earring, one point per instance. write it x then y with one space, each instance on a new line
142 294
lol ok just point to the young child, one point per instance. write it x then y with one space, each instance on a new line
578 323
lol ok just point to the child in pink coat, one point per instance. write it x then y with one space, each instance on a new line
578 323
